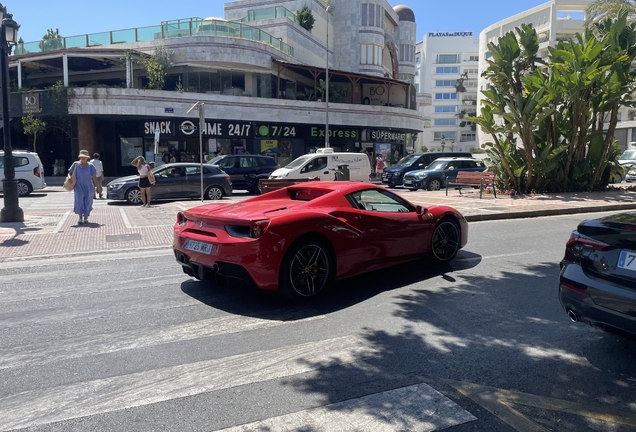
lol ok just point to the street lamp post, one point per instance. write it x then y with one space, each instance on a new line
11 212
329 10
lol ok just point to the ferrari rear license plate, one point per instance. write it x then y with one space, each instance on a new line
198 246
627 260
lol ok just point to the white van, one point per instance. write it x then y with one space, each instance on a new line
324 164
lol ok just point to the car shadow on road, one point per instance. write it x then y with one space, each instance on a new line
238 298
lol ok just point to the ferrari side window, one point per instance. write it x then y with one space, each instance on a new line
380 201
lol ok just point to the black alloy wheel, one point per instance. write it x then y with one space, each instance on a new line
214 193
445 241
434 184
307 269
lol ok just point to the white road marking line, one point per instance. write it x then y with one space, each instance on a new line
48 405
92 345
417 408
125 218
61 222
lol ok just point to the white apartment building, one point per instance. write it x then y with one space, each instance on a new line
441 59
555 20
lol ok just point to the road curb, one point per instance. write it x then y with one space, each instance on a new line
549 212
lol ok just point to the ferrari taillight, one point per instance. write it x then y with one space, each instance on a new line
581 245
181 218
259 227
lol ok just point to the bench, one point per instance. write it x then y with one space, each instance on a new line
268 185
481 180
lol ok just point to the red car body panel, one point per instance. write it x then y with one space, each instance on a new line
361 240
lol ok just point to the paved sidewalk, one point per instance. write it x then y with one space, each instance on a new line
51 229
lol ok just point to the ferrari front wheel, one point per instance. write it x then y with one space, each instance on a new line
307 269
445 241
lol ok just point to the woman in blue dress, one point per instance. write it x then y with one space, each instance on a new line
86 181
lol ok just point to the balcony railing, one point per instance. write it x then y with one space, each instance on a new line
167 30
270 13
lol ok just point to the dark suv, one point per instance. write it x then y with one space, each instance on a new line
246 170
392 176
435 176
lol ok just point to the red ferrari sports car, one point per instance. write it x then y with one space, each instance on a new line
301 238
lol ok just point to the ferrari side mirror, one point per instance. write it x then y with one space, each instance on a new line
420 210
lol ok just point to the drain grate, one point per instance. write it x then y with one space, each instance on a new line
123 237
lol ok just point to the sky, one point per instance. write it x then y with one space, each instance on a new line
78 17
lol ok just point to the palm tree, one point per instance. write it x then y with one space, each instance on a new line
609 9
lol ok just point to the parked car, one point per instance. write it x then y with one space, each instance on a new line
597 282
628 156
393 175
435 176
29 171
245 171
324 164
630 175
299 239
173 181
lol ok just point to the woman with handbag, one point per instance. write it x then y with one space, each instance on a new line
146 179
84 175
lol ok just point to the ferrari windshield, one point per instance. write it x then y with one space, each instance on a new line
299 162
407 160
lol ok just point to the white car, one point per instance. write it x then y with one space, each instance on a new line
29 171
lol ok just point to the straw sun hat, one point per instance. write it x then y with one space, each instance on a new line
84 154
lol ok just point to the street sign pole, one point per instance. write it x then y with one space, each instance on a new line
200 107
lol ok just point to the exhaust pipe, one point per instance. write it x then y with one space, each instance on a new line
572 316
215 267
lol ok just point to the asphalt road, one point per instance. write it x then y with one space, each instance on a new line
124 342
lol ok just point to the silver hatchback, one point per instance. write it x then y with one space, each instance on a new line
29 171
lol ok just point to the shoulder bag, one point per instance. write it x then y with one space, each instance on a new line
151 176
71 179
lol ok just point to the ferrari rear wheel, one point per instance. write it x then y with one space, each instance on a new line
445 241
307 269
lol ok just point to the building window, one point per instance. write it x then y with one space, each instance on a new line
470 84
447 70
370 54
445 122
447 58
445 96
471 71
473 58
371 15
445 83
448 136
407 53
446 109
470 136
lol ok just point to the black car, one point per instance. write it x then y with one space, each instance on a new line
393 175
435 176
245 171
597 283
174 181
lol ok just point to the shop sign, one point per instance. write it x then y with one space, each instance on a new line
319 132
165 127
383 135
275 130
268 145
222 129
31 103
451 34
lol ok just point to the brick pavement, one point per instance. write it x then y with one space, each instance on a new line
50 228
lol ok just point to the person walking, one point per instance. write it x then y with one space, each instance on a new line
85 184
144 183
100 175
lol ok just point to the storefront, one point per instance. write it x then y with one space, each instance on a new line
179 138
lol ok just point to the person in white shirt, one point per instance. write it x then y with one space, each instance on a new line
99 167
